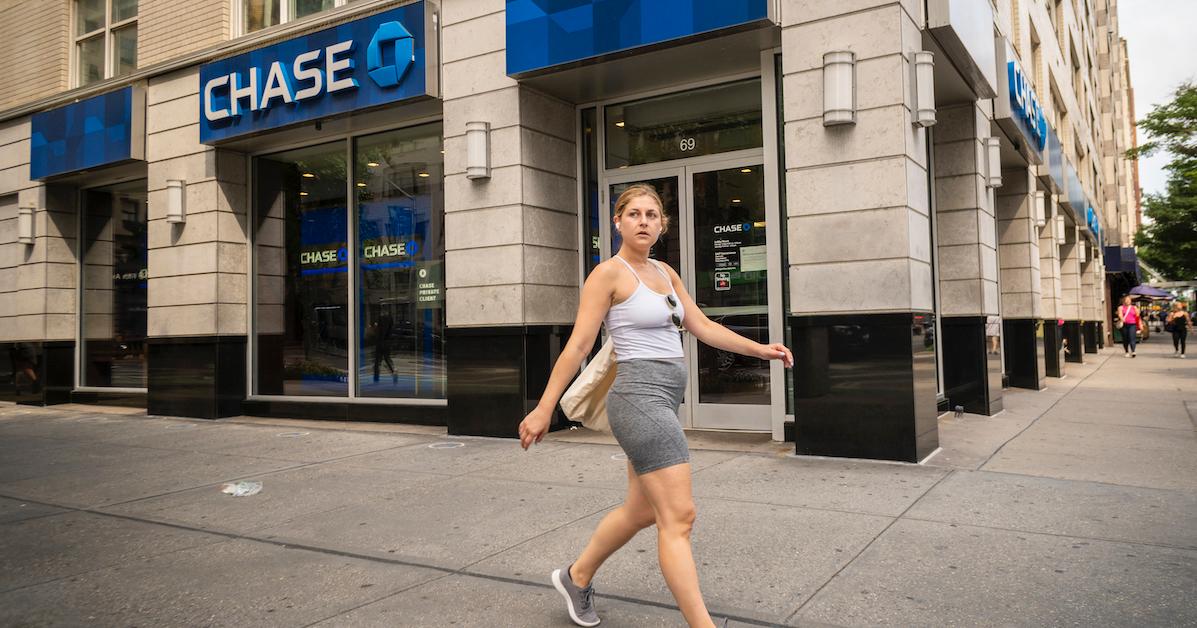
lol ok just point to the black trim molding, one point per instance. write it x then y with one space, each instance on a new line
1089 333
40 372
344 411
498 375
196 376
1074 341
864 385
1053 340
972 364
1026 362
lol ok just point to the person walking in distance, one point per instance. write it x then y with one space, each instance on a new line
643 304
1128 315
1179 321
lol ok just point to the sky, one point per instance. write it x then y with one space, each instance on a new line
1162 47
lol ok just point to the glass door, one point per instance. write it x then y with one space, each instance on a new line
717 244
729 282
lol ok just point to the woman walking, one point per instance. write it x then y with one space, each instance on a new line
644 305
1128 314
1179 321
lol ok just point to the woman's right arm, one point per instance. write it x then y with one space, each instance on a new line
597 294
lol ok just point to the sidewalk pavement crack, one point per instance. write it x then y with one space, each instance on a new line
791 616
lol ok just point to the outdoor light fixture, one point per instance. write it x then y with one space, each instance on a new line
1039 207
1060 238
477 150
176 201
25 224
924 88
1082 253
993 147
839 88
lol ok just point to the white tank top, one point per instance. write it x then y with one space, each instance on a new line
641 328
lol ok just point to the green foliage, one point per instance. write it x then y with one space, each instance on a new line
1168 242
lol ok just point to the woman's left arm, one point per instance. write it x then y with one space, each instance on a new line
720 337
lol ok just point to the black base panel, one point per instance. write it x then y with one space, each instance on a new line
37 373
1101 335
865 385
1053 339
334 411
107 398
1026 363
1089 334
196 376
1074 341
972 364
498 375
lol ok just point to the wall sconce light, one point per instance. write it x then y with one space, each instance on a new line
1039 208
477 150
1059 228
993 148
924 88
25 215
176 201
1082 253
839 88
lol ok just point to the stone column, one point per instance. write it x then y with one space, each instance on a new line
1070 295
1051 291
1090 299
38 282
966 232
859 239
197 291
1018 260
511 240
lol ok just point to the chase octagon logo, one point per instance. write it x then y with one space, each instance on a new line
394 35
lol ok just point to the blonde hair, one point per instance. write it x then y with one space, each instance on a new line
636 191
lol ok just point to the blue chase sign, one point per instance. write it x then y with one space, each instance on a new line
1025 107
99 131
377 60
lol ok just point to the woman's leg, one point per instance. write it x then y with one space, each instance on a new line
1175 340
615 530
668 490
1184 334
1126 339
1134 339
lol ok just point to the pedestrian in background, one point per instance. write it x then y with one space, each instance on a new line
643 304
1129 321
1179 322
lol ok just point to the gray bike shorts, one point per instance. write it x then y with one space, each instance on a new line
642 410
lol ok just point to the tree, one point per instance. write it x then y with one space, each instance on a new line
1169 241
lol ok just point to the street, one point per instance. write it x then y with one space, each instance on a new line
1075 506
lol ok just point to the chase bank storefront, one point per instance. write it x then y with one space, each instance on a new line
385 211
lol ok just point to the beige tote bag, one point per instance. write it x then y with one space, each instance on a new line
586 399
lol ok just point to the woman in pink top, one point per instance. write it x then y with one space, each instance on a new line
1129 315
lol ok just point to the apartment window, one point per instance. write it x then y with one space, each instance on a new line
259 14
105 39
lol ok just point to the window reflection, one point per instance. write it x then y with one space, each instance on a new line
114 286
302 285
401 307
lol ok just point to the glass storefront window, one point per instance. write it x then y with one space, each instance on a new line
306 339
703 121
401 293
114 286
301 255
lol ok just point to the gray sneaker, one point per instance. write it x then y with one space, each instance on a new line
579 602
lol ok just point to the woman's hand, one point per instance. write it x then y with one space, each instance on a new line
775 351
534 427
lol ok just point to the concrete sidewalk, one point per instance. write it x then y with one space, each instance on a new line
1078 505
